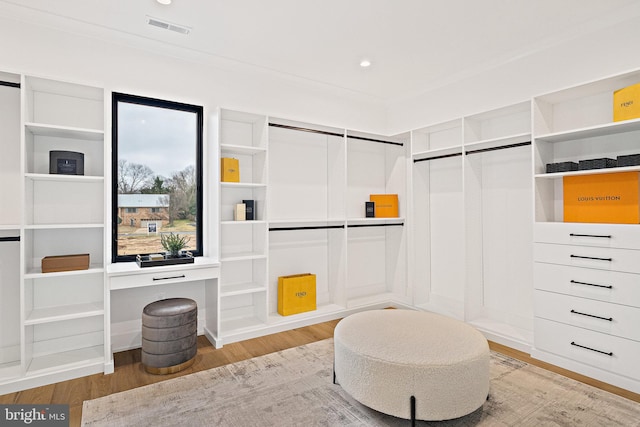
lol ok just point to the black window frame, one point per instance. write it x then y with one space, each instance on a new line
118 97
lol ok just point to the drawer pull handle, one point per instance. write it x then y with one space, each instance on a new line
592 284
182 276
592 257
590 235
592 349
610 319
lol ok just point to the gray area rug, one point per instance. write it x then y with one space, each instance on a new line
294 388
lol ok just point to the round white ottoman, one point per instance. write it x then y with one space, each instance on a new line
412 364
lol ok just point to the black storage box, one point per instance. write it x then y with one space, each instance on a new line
630 160
562 167
66 163
597 164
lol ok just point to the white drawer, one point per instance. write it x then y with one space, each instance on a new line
610 286
625 260
161 277
619 320
603 351
625 236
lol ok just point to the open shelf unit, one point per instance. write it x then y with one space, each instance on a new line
61 316
571 125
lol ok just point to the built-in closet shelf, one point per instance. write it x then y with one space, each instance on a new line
372 300
240 223
241 149
36 273
241 288
497 143
592 131
275 318
242 185
64 178
82 357
588 172
42 129
242 257
239 325
10 370
287 224
9 227
62 226
438 153
374 221
59 313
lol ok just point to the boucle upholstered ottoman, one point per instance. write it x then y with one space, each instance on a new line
169 335
412 364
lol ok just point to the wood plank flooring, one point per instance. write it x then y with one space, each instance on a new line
129 372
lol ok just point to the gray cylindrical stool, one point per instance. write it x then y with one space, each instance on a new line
169 335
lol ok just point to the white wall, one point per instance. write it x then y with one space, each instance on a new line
592 56
212 82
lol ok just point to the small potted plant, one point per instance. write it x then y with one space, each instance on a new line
173 244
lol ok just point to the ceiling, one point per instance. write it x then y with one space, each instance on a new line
414 45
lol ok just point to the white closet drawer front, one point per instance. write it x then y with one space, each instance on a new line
625 260
603 351
610 286
619 320
159 278
625 236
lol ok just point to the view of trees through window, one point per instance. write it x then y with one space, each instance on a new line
156 174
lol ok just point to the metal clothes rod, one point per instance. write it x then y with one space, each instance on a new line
437 157
503 147
375 225
375 140
10 239
10 84
315 227
323 132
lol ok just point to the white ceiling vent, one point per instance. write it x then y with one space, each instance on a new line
168 25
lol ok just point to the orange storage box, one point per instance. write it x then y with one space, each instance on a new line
386 205
229 169
602 198
296 293
626 103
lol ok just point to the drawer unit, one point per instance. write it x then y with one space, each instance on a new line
160 277
621 236
619 320
624 260
603 351
602 285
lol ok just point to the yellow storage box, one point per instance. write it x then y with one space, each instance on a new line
603 198
626 103
386 205
229 169
296 293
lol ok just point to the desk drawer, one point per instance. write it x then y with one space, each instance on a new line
623 236
624 260
610 286
603 351
160 278
614 319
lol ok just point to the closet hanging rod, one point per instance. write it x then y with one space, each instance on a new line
10 239
375 140
311 227
323 132
503 147
444 156
10 84
375 225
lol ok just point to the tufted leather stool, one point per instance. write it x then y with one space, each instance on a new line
169 334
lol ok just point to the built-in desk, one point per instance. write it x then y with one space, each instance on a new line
128 276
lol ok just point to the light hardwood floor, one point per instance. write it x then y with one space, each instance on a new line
129 373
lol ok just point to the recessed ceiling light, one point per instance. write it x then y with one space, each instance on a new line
365 63
164 1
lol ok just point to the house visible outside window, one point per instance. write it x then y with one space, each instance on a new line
157 175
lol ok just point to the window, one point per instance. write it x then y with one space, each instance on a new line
157 174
